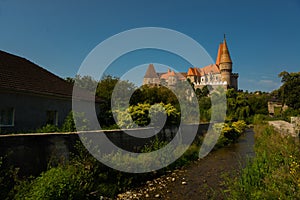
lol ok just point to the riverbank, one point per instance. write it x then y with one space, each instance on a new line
274 172
203 179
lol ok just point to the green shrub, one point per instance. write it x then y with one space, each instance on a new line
57 183
259 119
81 122
7 178
49 128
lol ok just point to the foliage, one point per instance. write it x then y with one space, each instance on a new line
218 109
48 128
86 178
153 95
230 132
244 106
142 114
81 122
85 82
204 109
63 182
104 91
274 173
290 90
68 125
7 178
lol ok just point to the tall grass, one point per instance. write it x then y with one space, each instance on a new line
274 173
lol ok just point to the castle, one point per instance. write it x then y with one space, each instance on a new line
218 74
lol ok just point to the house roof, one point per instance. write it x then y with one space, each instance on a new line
179 75
20 74
213 68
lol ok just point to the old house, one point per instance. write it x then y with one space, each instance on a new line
30 96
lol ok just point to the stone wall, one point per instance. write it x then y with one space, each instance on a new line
272 105
32 152
295 121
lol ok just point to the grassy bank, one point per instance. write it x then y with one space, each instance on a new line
274 172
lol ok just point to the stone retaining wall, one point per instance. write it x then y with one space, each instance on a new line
32 152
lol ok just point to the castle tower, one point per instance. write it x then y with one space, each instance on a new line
151 76
225 63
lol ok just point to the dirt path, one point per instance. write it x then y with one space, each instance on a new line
200 180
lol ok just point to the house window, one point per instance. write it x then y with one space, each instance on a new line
52 117
7 116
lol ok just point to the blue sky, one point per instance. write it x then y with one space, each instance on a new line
263 36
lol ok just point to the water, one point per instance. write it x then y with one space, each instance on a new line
205 178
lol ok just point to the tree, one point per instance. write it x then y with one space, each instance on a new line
290 90
104 91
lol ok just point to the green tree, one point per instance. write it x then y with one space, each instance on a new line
104 91
290 90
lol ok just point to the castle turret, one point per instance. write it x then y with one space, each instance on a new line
225 63
151 76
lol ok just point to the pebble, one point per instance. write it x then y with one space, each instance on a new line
173 179
183 183
157 196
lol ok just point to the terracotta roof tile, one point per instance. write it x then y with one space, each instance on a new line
213 68
191 72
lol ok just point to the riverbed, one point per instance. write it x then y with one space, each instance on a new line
203 179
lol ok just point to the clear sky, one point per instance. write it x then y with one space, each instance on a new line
263 36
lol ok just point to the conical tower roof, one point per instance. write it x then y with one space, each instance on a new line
225 56
151 73
219 54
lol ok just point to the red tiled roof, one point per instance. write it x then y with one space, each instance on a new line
191 72
195 71
213 68
19 74
179 75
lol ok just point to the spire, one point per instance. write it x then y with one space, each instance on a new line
151 73
219 54
225 56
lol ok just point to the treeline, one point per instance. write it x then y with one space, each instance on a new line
288 94
240 105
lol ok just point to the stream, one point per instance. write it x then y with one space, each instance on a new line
203 179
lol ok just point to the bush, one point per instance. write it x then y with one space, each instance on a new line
49 128
57 183
7 178
259 119
81 122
